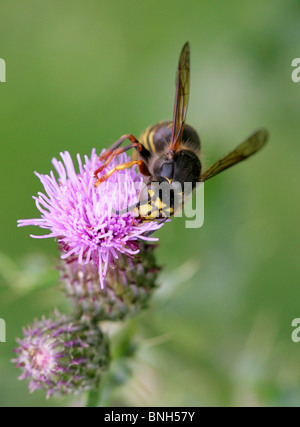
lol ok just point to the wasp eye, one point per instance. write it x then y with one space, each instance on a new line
167 171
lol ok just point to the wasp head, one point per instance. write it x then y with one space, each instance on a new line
185 166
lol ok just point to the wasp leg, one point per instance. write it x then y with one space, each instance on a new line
114 150
115 153
117 144
140 163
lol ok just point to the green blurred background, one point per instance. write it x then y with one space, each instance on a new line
79 75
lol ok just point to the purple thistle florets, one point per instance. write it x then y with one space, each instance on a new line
81 216
62 355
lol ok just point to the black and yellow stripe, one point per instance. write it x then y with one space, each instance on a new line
152 139
146 138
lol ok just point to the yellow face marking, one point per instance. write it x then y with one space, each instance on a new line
154 214
159 204
151 193
169 210
144 210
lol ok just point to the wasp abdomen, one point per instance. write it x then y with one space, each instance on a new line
156 138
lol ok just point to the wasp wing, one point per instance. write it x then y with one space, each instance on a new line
246 149
181 97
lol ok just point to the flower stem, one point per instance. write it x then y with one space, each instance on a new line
93 399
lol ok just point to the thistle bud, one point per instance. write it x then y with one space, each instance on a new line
129 283
62 355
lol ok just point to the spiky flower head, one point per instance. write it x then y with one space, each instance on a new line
62 356
81 216
128 286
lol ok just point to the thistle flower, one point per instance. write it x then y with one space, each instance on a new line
127 290
62 356
81 216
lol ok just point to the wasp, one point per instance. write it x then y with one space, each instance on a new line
169 152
